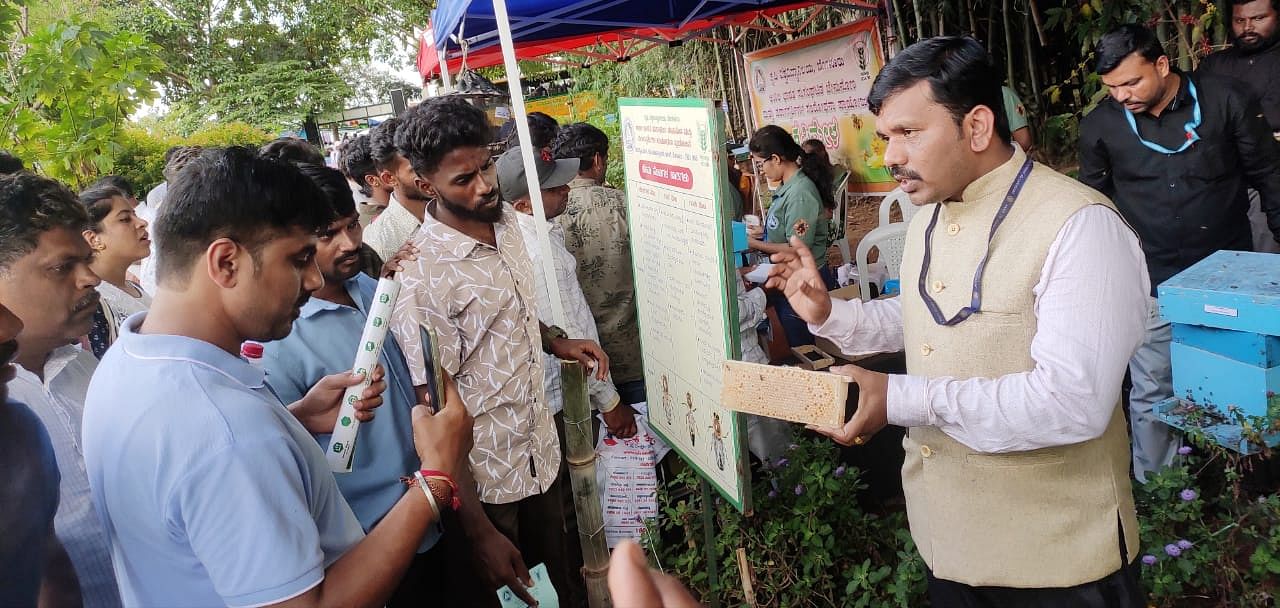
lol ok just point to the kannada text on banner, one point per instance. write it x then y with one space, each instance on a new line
817 87
688 323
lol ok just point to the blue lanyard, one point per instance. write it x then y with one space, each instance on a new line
1190 127
975 304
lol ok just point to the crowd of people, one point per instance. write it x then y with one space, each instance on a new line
155 457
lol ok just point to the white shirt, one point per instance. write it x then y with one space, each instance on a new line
391 229
582 326
59 402
149 210
1091 305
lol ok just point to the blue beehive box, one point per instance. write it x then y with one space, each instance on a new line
1225 313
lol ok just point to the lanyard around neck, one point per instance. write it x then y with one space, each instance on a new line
975 304
1189 127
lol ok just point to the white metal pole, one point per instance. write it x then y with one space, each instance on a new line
526 152
445 80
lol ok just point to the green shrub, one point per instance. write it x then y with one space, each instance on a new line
1206 540
808 541
141 156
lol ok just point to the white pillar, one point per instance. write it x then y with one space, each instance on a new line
521 119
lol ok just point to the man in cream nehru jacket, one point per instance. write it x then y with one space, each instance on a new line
1023 297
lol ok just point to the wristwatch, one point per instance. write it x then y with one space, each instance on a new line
551 334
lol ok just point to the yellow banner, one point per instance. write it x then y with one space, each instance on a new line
817 87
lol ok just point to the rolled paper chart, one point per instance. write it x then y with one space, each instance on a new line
343 442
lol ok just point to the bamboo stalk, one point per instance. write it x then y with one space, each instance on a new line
973 20
902 28
1033 79
1035 17
1008 45
748 578
915 7
580 453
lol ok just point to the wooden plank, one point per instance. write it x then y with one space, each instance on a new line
785 393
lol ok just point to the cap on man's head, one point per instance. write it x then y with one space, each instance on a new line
551 173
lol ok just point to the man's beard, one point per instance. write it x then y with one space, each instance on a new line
1256 44
487 213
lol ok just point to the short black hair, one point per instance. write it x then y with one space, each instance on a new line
10 163
31 205
181 155
382 143
292 150
542 130
232 193
356 161
960 73
97 202
115 181
331 182
432 129
581 141
1116 45
1275 4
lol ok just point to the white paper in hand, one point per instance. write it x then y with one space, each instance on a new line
759 275
343 443
542 591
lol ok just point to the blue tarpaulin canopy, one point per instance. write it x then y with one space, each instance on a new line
471 23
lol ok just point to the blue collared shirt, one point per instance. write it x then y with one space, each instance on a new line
324 341
211 492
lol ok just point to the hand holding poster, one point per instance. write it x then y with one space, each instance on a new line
816 88
343 442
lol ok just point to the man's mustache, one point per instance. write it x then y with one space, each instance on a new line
7 351
899 172
86 302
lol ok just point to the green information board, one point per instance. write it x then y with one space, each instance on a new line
684 273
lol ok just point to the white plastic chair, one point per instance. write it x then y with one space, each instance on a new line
890 240
899 198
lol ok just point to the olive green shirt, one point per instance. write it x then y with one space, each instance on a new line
797 210
596 233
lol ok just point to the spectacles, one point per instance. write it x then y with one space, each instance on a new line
1189 127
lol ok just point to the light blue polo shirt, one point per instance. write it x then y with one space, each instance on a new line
324 341
212 493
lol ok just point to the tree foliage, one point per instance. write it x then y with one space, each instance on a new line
271 63
68 89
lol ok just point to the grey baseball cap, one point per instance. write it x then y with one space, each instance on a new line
551 173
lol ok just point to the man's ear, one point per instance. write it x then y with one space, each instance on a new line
224 262
980 128
373 181
425 186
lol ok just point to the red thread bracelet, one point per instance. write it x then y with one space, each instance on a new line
430 474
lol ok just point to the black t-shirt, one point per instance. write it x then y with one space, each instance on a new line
1188 204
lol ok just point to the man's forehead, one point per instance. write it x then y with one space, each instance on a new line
58 244
463 160
1256 8
908 104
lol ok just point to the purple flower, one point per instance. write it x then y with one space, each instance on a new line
793 446
1184 450
1188 495
782 462
799 489
839 472
1172 550
1185 544
773 493
1149 560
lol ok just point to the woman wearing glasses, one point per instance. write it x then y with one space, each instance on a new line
797 210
